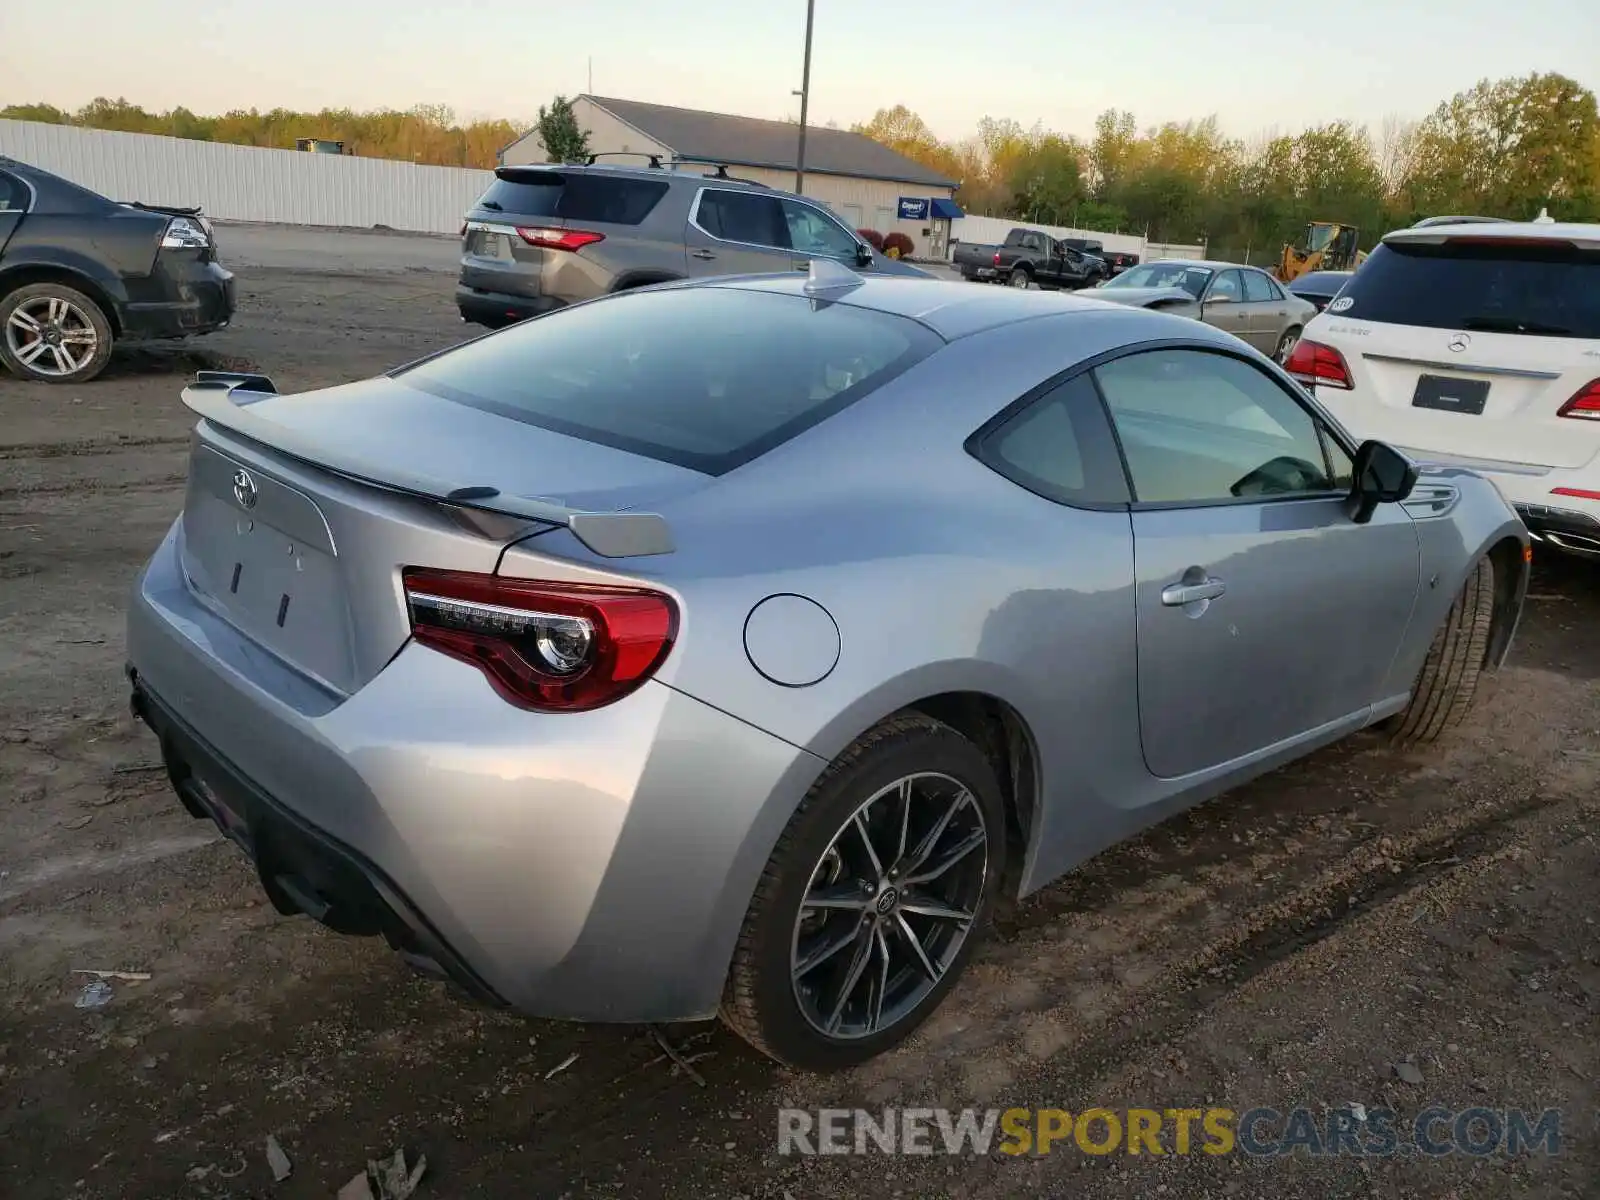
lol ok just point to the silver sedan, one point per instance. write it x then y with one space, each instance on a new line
1243 301
735 646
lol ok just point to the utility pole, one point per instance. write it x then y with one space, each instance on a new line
805 98
591 74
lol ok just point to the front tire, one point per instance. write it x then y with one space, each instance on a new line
1455 662
873 900
53 334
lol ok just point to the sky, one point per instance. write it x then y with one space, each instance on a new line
1257 66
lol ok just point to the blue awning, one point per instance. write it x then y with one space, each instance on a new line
946 210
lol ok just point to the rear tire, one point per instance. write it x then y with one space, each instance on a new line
53 334
1019 278
1286 345
1455 661
901 928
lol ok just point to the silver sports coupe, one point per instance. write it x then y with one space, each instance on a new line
735 646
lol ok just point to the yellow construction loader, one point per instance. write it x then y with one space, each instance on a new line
1324 246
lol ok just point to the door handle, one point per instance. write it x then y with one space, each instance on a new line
1176 595
701 254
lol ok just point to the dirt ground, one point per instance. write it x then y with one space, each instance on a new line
1286 945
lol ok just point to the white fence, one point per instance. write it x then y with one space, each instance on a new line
993 230
248 183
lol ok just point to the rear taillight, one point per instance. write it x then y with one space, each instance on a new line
997 258
549 647
558 239
1313 363
1585 405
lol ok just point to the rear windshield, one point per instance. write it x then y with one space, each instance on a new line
611 200
1548 290
703 377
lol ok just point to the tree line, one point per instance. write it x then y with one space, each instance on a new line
1508 147
1505 148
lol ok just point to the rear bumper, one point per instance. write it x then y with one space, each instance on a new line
1564 522
590 866
495 309
182 297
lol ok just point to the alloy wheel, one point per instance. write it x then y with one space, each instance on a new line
51 336
1019 279
889 905
1286 346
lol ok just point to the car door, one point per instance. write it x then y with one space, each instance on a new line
736 232
14 198
814 233
1268 314
1263 611
1223 304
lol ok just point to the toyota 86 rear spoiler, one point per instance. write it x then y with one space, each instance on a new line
227 399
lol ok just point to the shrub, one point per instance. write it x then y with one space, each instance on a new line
898 245
871 237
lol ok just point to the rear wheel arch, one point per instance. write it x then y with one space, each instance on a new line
639 279
20 277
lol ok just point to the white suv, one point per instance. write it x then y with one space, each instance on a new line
1477 345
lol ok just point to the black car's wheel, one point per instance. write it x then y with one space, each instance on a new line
1019 277
873 899
1455 661
53 333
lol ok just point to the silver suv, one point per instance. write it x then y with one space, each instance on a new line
543 237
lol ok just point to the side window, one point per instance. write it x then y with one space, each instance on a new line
1197 428
1343 469
810 232
743 217
1258 288
1227 287
1060 447
13 194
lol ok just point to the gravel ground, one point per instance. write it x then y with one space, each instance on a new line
1288 945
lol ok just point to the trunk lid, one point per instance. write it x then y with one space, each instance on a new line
1495 398
303 556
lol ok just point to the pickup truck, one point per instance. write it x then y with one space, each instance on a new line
1031 256
1116 261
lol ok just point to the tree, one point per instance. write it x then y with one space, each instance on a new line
558 129
1509 148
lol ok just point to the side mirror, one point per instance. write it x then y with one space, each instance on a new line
863 255
1382 476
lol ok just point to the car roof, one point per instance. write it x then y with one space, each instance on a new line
1428 222
1211 264
951 309
1321 276
699 178
1585 235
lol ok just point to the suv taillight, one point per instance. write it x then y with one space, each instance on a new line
1585 406
549 647
558 239
1313 363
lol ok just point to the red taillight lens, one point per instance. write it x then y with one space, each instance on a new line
1585 405
1312 362
558 239
997 258
550 647
1576 493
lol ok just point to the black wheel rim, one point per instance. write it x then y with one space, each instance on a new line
889 905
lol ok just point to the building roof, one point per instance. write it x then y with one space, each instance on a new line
751 142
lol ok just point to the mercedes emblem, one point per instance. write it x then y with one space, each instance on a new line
244 489
1459 342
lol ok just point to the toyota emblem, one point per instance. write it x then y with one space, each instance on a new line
244 489
1459 342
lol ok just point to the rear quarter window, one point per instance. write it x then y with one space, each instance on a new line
703 377
570 196
1547 289
13 193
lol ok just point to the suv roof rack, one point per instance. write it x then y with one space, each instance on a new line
722 173
655 159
